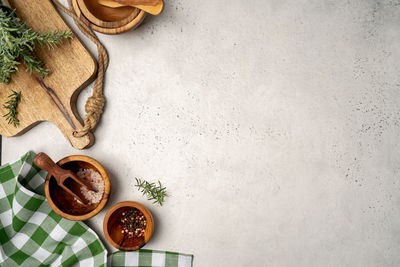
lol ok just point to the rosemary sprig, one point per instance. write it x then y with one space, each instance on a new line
11 105
153 191
17 43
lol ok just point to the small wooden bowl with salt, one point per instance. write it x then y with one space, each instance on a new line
65 204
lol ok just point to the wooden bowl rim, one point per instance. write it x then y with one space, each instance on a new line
131 204
107 188
97 21
136 21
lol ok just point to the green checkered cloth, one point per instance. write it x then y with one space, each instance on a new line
150 258
32 234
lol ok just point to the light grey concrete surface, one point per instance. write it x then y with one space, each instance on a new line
275 126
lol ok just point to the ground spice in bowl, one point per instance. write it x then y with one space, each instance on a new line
94 178
132 223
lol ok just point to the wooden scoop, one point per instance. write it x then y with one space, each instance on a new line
154 7
46 163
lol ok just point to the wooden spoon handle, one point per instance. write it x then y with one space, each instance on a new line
154 7
43 161
46 163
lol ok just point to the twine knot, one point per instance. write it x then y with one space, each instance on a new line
94 108
94 104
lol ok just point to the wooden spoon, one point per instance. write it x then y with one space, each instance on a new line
154 7
46 163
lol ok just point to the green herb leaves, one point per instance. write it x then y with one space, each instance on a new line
17 43
153 191
11 105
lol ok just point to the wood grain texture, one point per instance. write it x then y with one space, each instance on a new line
62 176
113 234
54 98
154 7
106 19
63 203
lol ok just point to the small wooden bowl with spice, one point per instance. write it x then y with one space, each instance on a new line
128 225
65 204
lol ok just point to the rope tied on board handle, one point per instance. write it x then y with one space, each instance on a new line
95 103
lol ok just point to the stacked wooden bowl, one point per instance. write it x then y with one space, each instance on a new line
108 20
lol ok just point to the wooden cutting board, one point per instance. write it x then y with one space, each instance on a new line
54 98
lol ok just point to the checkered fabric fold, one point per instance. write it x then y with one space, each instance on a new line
150 258
32 234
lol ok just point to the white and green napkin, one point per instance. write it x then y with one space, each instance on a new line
32 234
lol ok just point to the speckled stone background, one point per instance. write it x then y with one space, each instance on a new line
275 126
